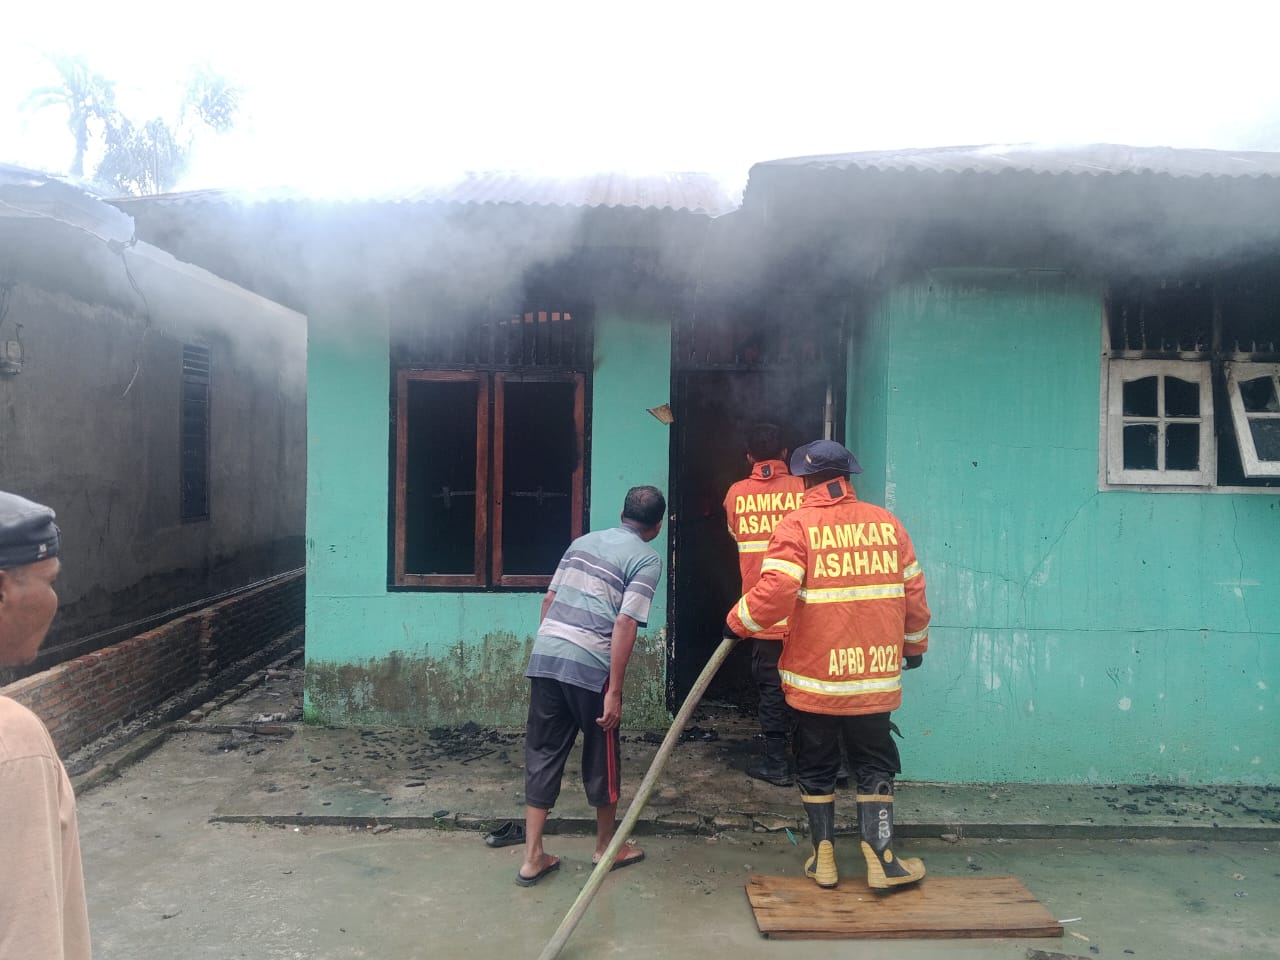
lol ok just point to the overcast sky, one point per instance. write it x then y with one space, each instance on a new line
371 97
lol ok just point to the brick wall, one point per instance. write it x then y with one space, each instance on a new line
244 624
83 699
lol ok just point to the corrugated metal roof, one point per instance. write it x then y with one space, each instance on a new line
1097 159
31 193
696 193
11 176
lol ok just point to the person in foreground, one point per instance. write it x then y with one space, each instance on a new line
846 575
43 915
599 596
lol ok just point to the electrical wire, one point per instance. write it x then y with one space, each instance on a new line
146 314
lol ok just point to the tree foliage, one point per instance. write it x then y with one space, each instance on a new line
86 96
137 157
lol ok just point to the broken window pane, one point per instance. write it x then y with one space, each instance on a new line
540 455
1140 397
1252 390
1259 395
1182 446
1266 438
1181 397
1140 446
440 479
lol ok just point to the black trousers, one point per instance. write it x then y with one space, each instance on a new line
774 714
557 713
872 753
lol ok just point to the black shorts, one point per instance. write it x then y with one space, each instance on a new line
557 712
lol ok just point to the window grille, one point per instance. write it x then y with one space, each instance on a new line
194 432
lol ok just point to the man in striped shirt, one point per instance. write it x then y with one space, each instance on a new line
599 596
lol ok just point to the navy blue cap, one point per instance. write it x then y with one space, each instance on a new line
823 455
27 532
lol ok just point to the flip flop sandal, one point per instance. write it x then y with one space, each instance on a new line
619 864
506 835
524 881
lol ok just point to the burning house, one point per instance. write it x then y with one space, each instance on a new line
1058 367
482 363
1062 374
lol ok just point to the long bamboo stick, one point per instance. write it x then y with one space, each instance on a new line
579 908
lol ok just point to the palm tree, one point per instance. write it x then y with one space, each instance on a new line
84 94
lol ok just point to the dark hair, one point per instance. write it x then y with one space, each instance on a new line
645 505
764 441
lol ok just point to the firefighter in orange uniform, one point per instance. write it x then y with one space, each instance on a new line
755 506
845 575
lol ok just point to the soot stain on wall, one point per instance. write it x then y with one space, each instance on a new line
481 682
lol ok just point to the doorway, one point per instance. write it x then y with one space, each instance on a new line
713 409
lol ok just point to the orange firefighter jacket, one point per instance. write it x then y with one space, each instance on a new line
846 574
755 506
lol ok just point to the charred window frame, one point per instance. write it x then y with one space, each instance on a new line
1190 391
193 420
1254 392
490 433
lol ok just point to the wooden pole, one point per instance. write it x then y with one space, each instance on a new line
579 908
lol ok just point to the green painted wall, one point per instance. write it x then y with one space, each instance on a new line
431 658
1078 635
866 416
630 447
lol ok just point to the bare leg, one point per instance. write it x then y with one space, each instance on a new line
535 859
606 824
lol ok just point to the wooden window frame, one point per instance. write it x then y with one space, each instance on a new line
476 578
490 392
1122 371
1253 465
499 578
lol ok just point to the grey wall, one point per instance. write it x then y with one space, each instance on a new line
90 425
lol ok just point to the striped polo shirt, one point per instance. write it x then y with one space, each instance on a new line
602 574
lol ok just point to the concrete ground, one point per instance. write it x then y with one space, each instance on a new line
297 842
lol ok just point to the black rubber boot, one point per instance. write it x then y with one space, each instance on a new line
774 768
875 819
821 867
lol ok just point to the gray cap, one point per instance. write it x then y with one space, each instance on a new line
27 532
821 455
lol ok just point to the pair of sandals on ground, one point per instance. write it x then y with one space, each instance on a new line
511 833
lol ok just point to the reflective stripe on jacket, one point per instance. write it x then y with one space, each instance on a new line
846 575
755 506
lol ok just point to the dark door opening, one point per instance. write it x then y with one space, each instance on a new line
713 409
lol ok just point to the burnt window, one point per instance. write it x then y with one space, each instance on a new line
489 468
537 475
444 417
194 433
1190 382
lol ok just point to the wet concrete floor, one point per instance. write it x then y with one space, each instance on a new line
281 876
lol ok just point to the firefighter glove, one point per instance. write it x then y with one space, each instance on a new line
911 662
730 634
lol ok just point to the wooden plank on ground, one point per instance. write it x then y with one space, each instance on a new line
796 908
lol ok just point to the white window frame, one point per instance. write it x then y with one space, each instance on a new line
1249 460
1121 371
